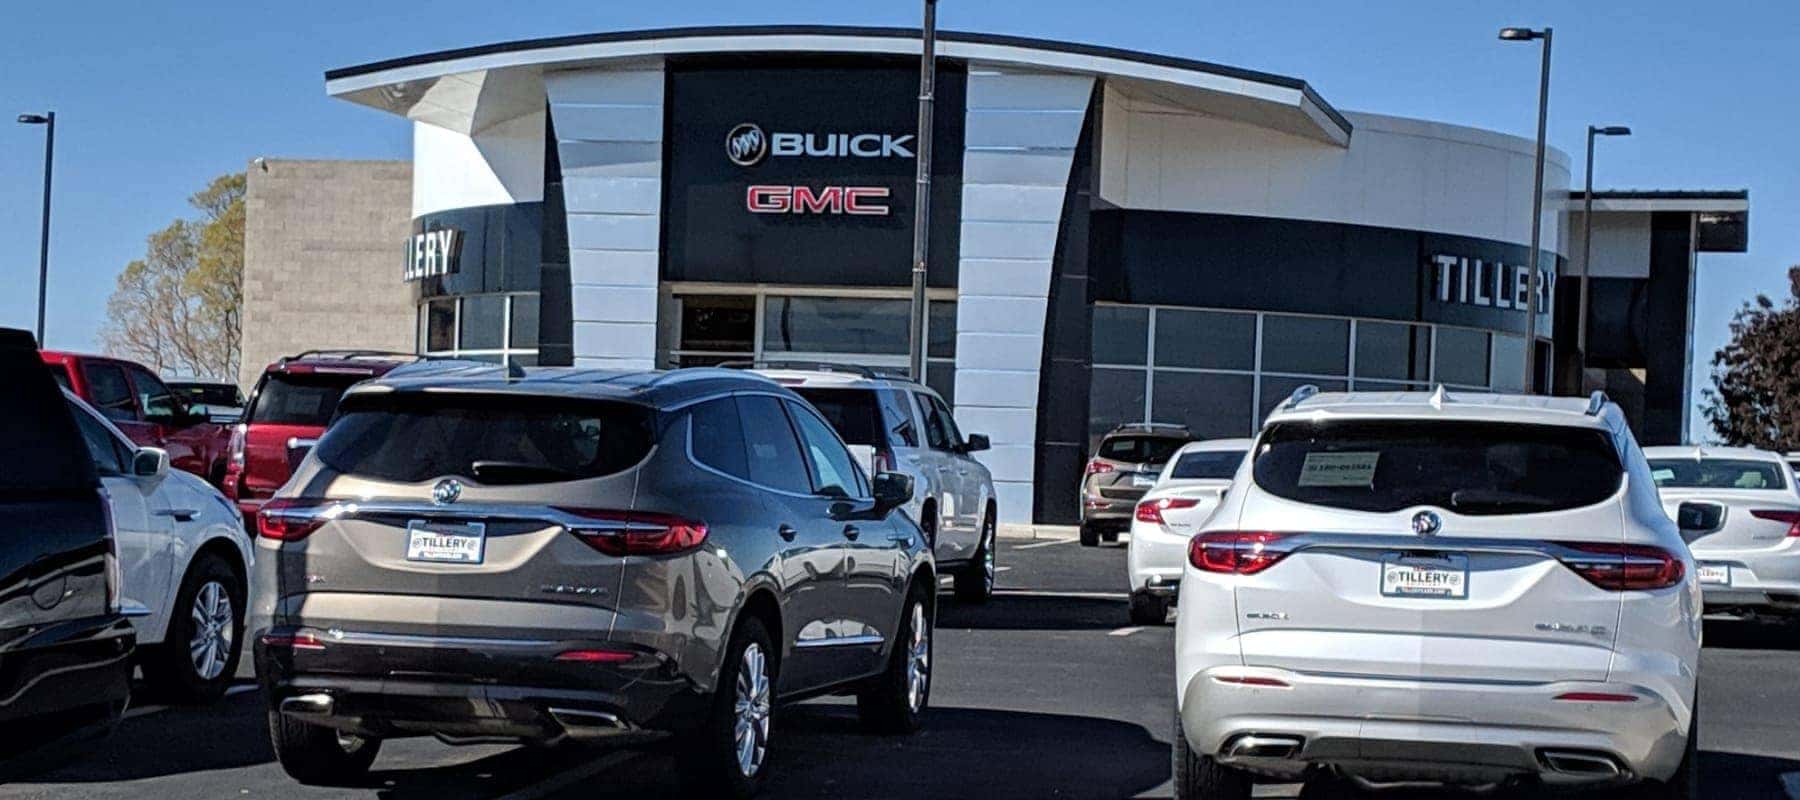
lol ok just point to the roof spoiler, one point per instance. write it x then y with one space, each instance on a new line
1597 402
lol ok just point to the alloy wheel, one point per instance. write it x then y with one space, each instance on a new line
210 646
751 731
918 663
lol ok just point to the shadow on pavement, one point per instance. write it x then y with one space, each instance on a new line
1752 633
1035 613
1725 776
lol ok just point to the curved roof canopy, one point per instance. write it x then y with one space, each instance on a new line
473 88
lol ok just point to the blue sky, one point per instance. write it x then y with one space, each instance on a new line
154 99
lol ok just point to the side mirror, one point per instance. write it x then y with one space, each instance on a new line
976 443
150 462
892 490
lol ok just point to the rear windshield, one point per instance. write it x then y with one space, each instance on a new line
853 412
305 399
1140 449
490 440
1717 473
1476 468
1208 465
44 450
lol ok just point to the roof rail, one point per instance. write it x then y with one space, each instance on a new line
1300 395
1597 402
1151 426
351 355
810 366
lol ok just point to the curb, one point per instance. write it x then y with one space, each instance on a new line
1023 531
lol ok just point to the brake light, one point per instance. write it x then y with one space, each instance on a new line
1152 510
1235 552
596 656
1097 467
293 641
1792 518
285 519
636 533
1625 567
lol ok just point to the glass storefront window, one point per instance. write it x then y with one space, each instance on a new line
1509 363
1392 351
802 324
1462 357
1205 339
483 323
1211 404
718 323
1114 396
1305 345
524 322
1121 334
941 327
495 328
440 325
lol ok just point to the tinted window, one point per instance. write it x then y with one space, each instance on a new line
774 453
1120 335
1210 404
898 418
834 325
1209 339
936 434
208 394
1462 357
718 437
300 399
159 404
110 457
43 448
493 440
1140 449
1392 351
833 471
1210 465
1308 345
1717 473
943 412
853 412
108 391
1476 468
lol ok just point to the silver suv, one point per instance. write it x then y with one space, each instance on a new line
896 425
475 554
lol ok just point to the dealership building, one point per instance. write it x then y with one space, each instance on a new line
1116 236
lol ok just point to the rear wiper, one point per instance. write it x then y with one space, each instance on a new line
503 472
1493 498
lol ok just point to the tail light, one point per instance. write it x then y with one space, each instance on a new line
1152 510
235 450
1625 567
1235 552
1096 467
596 656
293 641
1792 518
285 519
636 533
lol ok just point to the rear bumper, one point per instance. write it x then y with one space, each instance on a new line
1759 578
58 671
460 688
1398 730
1155 558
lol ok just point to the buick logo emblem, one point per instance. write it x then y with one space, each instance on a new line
446 492
746 145
1426 523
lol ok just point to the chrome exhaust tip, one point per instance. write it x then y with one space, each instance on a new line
1580 765
1258 745
319 703
578 722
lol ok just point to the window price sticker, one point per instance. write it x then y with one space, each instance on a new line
1339 469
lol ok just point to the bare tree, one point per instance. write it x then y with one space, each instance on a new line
177 308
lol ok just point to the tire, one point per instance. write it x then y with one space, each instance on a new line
1199 777
975 582
895 701
1110 538
711 759
1147 609
198 656
319 756
1089 536
1685 783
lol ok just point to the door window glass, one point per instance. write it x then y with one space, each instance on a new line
109 455
936 434
898 418
770 446
834 472
159 404
108 391
953 433
717 437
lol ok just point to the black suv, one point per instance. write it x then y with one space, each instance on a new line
65 646
1125 465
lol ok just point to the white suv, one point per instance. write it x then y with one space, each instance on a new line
1740 512
1472 590
1186 492
896 425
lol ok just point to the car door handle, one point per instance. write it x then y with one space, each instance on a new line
787 533
851 532
180 514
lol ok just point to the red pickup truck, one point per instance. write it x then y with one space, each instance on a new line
143 407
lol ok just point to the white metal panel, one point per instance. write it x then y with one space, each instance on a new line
502 165
1621 244
994 277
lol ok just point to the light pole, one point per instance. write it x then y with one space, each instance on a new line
1537 201
922 194
1587 243
48 120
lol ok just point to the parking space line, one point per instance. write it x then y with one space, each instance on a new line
1042 544
1062 595
142 711
1125 631
568 778
240 689
1790 783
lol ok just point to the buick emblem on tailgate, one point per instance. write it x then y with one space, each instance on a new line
1426 523
447 492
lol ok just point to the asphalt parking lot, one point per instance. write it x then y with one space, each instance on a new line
1046 692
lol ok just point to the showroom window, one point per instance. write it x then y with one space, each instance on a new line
866 328
497 328
1220 372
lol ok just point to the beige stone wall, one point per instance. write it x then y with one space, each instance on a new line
324 243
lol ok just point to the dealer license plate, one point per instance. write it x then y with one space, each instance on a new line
1143 479
1437 575
1715 574
445 542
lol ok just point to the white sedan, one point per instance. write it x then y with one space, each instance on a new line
1739 511
184 556
1185 494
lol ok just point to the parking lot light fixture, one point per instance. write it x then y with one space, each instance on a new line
48 120
1587 245
1533 290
